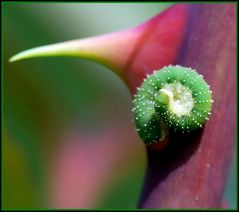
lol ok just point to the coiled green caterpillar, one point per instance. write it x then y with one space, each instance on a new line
174 98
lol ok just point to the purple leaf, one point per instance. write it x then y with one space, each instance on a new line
192 171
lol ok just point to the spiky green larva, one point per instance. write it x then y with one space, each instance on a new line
175 98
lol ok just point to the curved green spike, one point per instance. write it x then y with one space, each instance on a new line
102 49
61 49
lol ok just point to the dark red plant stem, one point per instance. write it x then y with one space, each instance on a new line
192 171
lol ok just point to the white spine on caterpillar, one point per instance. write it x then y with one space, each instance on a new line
174 98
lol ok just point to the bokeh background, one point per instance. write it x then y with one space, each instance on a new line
69 139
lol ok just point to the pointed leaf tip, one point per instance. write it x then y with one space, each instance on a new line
14 58
48 50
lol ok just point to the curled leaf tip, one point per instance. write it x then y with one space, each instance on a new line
49 50
26 54
17 57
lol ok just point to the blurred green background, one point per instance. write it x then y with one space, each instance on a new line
46 98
